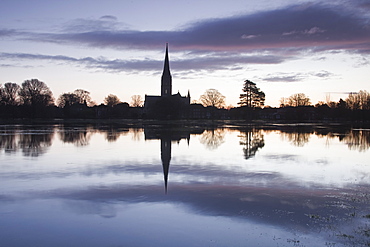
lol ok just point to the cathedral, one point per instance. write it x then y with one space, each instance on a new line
167 105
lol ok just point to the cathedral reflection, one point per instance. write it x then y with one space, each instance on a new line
167 136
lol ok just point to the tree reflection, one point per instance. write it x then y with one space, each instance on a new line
252 140
35 144
136 134
357 140
112 134
213 138
298 139
8 142
79 137
30 141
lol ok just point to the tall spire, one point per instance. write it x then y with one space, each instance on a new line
166 68
166 85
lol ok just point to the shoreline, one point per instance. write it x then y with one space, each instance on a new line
188 123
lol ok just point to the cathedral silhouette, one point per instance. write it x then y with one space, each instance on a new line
167 105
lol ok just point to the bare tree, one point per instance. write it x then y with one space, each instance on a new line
360 100
111 100
136 101
298 99
67 99
83 96
212 97
283 102
10 94
36 93
79 96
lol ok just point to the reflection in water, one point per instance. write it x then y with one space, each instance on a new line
78 136
35 144
32 141
357 140
252 140
297 138
167 136
112 134
213 138
8 141
213 193
136 134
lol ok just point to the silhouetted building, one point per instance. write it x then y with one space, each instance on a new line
167 105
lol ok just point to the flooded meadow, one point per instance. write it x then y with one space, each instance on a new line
113 185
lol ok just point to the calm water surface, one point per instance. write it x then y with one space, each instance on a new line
161 186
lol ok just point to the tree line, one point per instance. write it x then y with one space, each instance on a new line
33 98
253 97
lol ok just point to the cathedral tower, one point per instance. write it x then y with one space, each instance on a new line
166 85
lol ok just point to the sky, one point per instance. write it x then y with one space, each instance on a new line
319 48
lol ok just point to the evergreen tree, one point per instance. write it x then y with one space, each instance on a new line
252 96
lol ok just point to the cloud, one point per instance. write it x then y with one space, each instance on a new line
315 25
104 23
303 26
7 32
205 63
245 36
294 77
109 17
312 31
229 43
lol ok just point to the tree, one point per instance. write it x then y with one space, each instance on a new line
79 96
83 96
136 101
67 99
36 93
212 97
358 101
298 99
10 94
111 100
252 96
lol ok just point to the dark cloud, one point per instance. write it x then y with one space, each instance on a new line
303 26
272 37
309 26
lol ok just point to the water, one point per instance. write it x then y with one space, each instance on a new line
80 185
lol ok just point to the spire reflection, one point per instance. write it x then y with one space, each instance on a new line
167 135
